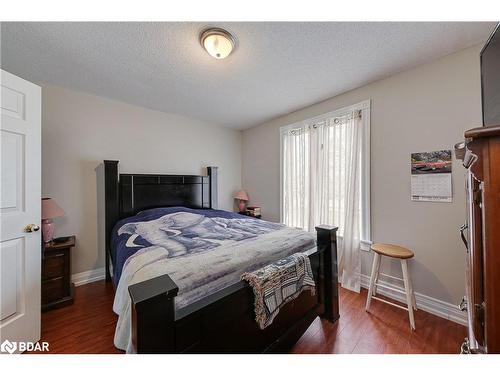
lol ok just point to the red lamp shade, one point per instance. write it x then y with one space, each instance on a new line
241 195
50 209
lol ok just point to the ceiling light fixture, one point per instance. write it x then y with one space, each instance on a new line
217 42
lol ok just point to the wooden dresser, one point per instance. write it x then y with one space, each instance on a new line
481 235
57 288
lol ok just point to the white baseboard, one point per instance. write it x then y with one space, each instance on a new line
88 276
431 305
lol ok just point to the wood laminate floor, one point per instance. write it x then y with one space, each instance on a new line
88 326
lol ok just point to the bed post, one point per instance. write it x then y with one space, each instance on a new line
214 194
111 206
327 248
153 315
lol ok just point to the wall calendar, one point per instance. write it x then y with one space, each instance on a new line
431 176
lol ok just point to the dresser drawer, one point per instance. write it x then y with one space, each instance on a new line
53 290
53 266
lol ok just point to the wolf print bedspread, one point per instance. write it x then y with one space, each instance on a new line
203 251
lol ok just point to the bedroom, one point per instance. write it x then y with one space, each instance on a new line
144 155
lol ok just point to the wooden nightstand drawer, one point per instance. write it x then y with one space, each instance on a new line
53 290
57 288
53 266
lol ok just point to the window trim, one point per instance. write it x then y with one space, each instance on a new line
365 106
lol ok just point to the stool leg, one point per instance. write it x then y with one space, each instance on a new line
406 278
376 279
413 300
375 265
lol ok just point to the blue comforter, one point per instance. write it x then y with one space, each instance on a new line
203 251
183 234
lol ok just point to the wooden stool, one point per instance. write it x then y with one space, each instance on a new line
402 254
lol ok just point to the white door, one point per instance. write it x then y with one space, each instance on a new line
20 186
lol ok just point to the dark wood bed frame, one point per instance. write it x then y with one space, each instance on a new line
223 322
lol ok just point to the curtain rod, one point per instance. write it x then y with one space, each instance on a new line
336 120
364 105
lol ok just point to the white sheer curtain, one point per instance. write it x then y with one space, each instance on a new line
321 171
296 180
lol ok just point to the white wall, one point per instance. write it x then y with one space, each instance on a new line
423 109
80 130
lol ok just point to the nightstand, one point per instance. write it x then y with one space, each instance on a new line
57 288
247 214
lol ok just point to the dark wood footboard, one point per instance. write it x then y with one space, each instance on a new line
225 321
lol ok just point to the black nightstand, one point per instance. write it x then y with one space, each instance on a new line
247 214
57 288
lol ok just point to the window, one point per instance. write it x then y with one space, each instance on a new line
325 175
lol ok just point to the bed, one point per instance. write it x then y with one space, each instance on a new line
174 220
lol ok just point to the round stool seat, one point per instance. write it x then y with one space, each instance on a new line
393 251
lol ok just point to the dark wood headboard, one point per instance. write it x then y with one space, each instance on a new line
128 194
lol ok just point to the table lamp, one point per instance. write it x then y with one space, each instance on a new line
243 198
50 210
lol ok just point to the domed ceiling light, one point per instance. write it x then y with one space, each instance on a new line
217 42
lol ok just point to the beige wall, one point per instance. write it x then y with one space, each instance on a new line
423 109
79 131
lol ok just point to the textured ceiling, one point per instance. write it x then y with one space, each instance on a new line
276 68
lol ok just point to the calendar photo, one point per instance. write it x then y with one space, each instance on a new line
431 176
431 162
